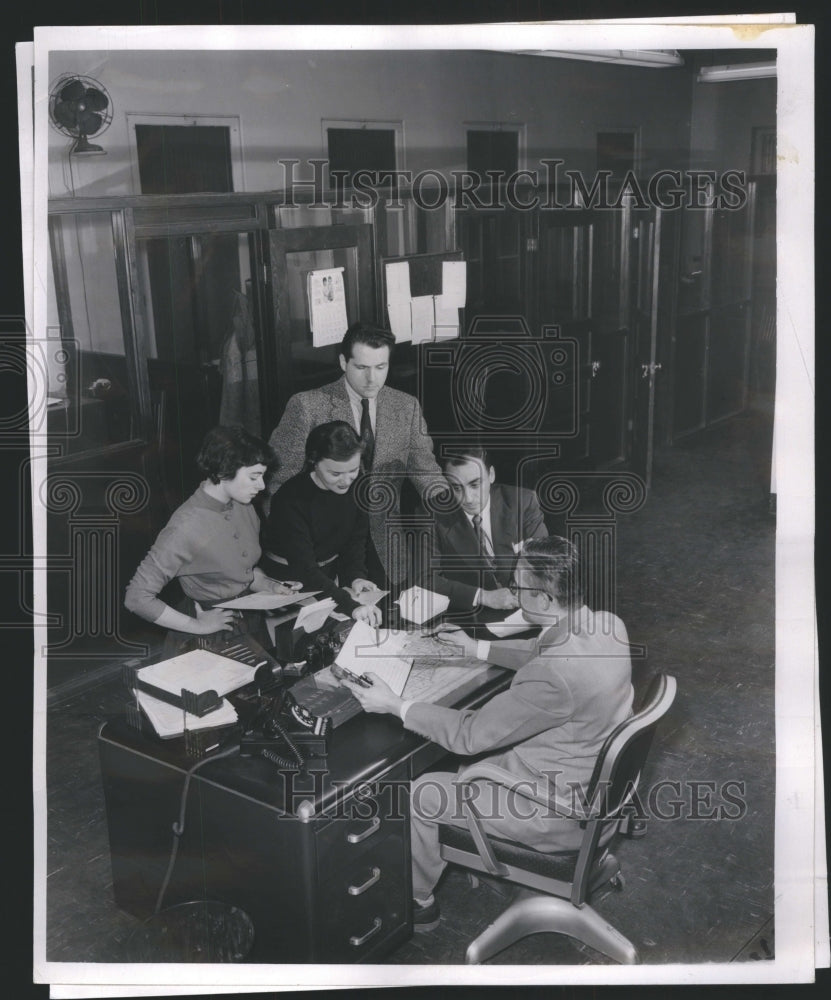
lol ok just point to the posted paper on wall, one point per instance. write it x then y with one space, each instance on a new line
327 306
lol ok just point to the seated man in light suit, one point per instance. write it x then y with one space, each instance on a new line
476 542
389 422
544 732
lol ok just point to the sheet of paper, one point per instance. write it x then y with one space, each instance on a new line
514 623
265 601
327 306
369 596
378 651
312 616
400 320
198 670
168 720
398 300
446 325
454 283
419 605
422 311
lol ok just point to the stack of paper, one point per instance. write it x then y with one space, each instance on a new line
168 720
198 671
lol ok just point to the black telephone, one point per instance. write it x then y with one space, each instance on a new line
282 730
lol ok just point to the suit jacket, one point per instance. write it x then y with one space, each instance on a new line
455 568
403 449
549 726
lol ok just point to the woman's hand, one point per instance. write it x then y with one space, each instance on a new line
360 586
264 584
378 697
368 613
214 620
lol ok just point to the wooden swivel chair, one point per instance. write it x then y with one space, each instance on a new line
562 883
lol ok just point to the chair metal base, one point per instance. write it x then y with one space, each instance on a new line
547 914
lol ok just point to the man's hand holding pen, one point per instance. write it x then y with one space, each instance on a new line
374 694
453 637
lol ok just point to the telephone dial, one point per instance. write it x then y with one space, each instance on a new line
277 727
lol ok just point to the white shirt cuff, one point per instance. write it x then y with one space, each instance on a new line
477 597
405 707
483 648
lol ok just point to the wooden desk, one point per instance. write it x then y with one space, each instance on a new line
320 861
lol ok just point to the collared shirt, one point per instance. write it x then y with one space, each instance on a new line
355 403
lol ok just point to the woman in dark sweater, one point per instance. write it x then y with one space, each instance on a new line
315 531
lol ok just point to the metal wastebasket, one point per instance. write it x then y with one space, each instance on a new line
198 931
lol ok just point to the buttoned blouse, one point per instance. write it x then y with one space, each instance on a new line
209 546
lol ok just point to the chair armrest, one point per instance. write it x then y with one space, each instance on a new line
485 771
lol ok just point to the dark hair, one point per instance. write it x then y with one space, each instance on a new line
226 450
466 453
555 564
365 333
336 440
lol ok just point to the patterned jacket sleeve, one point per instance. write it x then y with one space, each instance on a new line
422 467
288 441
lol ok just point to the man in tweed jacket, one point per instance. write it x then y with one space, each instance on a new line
398 445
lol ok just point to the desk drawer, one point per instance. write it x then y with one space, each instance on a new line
364 904
360 826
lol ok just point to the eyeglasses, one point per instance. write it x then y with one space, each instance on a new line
514 588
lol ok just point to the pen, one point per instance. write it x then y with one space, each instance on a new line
362 680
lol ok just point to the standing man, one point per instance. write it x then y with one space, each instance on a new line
544 732
476 542
389 422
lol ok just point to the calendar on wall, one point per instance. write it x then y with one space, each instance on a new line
327 306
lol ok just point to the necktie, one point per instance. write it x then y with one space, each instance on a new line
485 550
367 436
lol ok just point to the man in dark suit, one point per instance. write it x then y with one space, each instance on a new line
476 541
396 443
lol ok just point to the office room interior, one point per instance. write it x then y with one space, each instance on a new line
176 301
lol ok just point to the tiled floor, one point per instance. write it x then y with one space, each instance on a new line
695 586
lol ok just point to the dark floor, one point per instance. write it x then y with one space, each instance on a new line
695 587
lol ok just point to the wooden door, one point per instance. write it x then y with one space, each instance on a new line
646 293
291 362
495 246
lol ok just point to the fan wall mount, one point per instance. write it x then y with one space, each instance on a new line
80 107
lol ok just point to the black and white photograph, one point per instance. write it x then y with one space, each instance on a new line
420 485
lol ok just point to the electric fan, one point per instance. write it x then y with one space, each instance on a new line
80 107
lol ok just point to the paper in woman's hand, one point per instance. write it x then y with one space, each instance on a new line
265 600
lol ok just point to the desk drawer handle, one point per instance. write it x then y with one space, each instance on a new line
356 838
357 890
356 942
